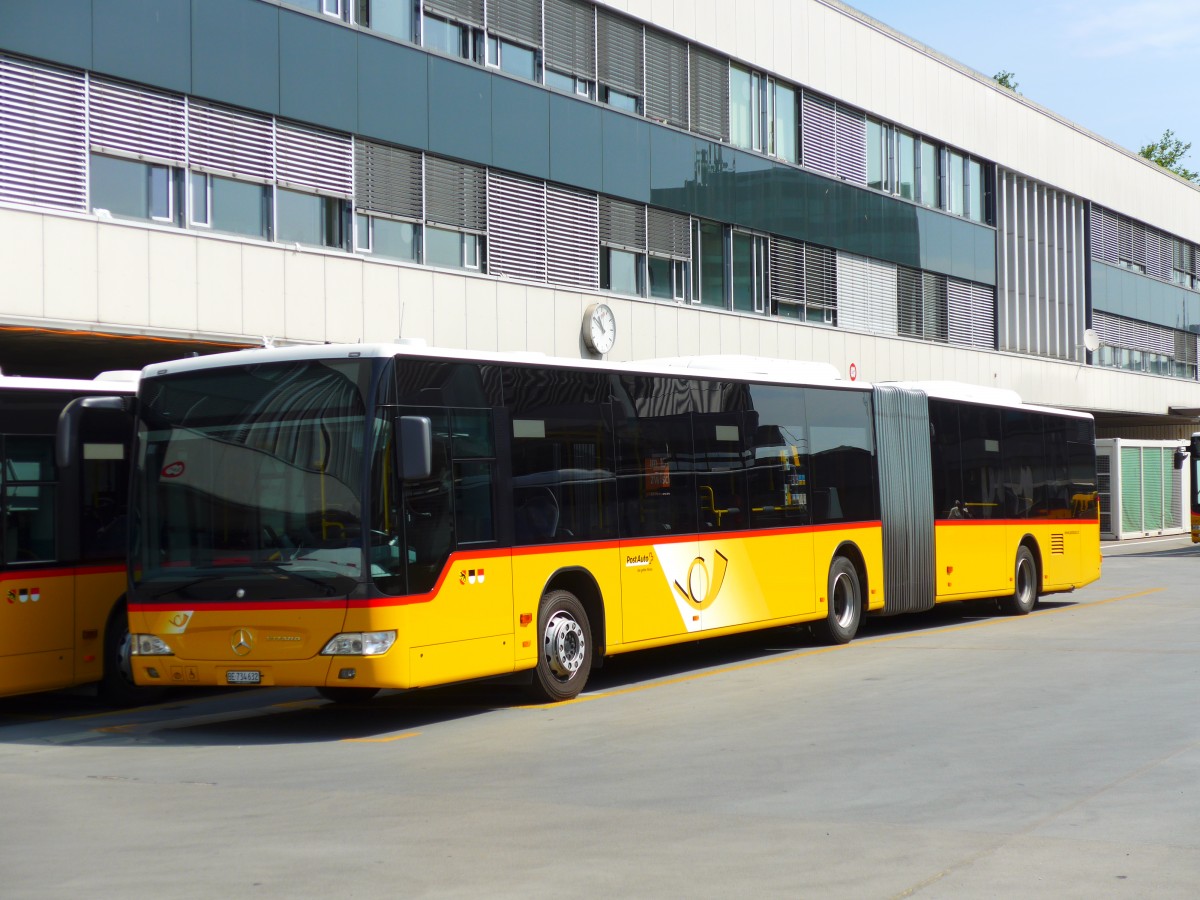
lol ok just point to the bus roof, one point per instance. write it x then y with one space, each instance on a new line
124 382
749 368
973 393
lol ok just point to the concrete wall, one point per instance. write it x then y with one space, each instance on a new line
71 270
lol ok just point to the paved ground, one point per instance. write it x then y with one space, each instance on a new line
955 754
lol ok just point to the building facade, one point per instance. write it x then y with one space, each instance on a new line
779 178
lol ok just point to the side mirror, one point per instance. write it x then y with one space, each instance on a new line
1181 455
416 447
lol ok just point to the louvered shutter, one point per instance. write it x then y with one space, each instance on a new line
666 79
971 314
1158 254
787 277
229 142
43 139
516 227
147 124
908 301
851 142
468 11
517 20
572 236
1124 239
619 49
1107 328
455 194
571 37
934 313
1137 241
668 234
820 277
818 133
866 294
318 160
710 94
387 180
622 225
1104 235
1185 348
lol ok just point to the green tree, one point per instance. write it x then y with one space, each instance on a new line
1007 79
1169 152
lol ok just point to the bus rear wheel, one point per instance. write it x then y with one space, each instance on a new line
844 612
1025 585
564 648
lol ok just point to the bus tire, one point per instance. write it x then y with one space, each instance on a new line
1025 585
117 687
844 612
347 695
564 648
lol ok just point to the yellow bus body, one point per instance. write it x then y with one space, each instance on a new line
52 623
481 618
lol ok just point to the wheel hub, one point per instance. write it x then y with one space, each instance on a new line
564 645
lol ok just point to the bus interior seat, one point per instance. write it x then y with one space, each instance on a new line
536 516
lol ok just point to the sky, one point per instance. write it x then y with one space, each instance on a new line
1125 69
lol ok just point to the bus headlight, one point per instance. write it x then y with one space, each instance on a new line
149 645
360 643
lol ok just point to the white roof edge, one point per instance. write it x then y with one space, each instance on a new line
976 393
746 367
75 385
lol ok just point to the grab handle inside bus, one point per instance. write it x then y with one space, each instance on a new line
416 447
67 438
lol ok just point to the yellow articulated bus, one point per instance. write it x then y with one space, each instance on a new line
63 571
360 517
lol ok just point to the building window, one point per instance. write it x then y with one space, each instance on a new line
512 58
449 38
621 271
668 278
745 108
389 238
783 123
620 100
569 83
309 219
906 165
128 189
200 199
956 175
239 207
391 17
749 272
453 249
878 155
929 178
975 191
709 281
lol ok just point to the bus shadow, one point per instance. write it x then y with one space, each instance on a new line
264 717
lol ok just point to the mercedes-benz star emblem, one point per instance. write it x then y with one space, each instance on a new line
242 642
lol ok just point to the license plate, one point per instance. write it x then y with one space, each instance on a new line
243 677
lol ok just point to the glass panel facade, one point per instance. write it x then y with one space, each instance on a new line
975 188
390 17
308 219
877 155
957 186
741 108
396 240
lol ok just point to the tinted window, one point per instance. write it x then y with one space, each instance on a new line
778 476
564 475
982 481
1025 469
842 456
945 447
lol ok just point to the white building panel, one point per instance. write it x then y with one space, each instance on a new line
172 281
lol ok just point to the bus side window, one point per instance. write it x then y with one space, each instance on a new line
29 498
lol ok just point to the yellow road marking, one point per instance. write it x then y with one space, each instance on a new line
381 740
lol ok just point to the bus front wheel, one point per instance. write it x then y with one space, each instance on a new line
117 687
564 648
1025 584
844 612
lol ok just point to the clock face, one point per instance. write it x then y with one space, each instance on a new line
600 328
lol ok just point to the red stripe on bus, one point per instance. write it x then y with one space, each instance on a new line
59 572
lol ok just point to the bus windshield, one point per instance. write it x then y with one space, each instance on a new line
251 474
